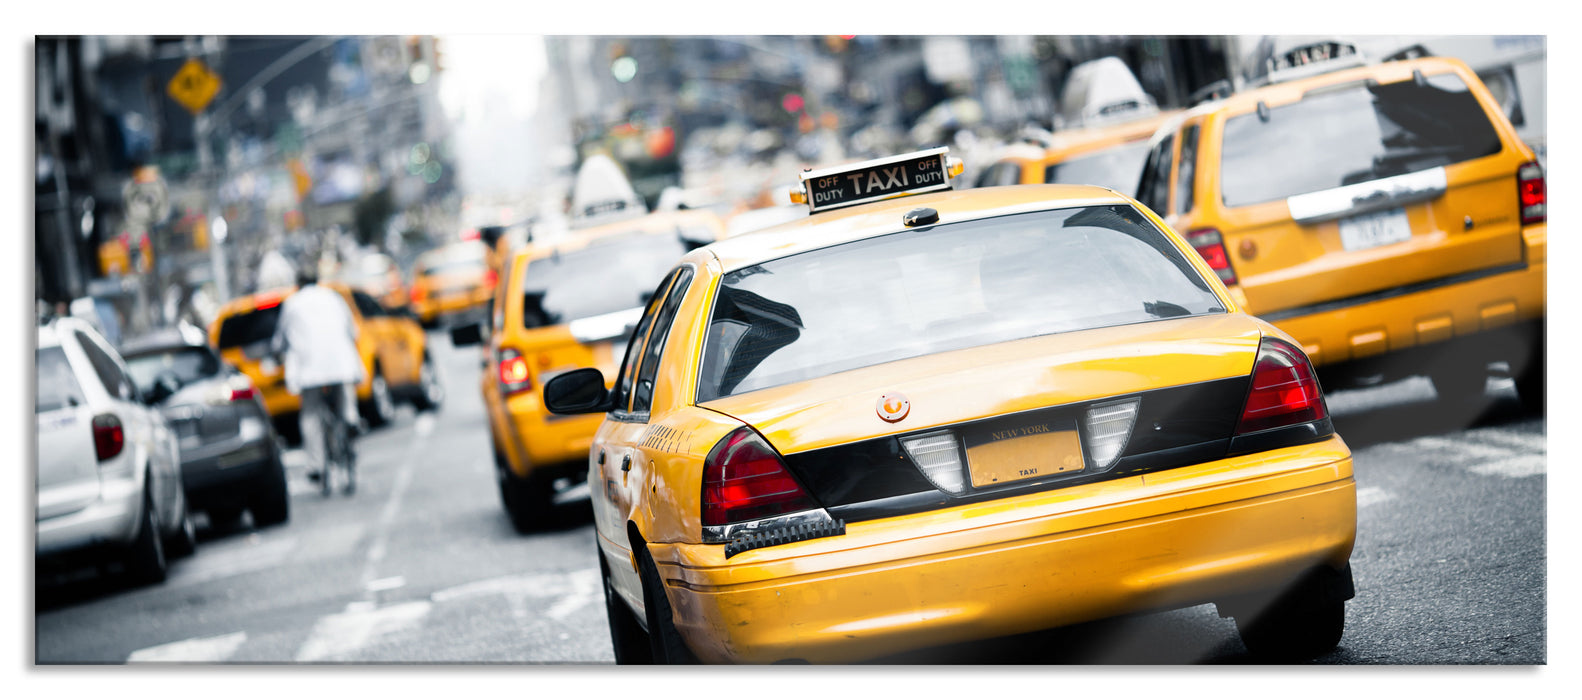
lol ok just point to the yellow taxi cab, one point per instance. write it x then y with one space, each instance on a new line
922 417
452 285
1109 156
379 277
563 306
1385 215
395 355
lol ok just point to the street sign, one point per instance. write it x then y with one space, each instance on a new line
193 86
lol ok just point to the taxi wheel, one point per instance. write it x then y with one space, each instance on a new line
379 409
1530 380
664 641
1300 625
626 636
430 392
145 562
1458 382
528 502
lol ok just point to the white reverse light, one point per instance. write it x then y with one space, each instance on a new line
939 458
1109 427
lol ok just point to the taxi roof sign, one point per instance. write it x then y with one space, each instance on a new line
873 180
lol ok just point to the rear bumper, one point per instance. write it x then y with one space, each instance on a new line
111 521
1200 534
546 438
1375 327
225 472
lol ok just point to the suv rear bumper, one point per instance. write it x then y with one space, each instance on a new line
1377 326
111 521
1207 533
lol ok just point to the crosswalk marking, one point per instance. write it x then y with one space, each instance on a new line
201 650
335 636
1370 495
1514 467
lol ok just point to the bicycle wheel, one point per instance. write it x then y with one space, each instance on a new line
329 425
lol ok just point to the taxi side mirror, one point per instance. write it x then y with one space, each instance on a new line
578 391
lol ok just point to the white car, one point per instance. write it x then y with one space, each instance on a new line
109 467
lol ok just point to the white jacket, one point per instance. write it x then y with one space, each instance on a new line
318 337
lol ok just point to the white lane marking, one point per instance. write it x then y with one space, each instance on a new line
424 424
1514 467
376 552
570 590
1525 442
386 584
198 650
585 589
336 635
1463 450
1370 495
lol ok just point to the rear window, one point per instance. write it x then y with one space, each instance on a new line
57 385
1116 168
1352 133
249 329
187 365
956 286
611 274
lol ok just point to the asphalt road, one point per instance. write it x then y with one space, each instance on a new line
421 566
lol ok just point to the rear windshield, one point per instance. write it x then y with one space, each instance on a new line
1351 134
249 329
956 286
185 365
57 385
1117 168
611 274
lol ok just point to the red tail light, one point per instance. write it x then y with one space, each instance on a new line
1531 192
419 291
490 278
744 479
246 394
1284 389
1211 246
514 378
108 438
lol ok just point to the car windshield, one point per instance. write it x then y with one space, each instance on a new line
956 286
185 365
57 385
1350 134
1117 168
613 273
252 330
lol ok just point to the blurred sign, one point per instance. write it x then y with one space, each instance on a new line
146 197
194 85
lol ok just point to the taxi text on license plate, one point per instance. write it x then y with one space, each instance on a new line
1015 453
1374 230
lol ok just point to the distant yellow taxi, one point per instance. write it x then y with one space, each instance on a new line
452 285
921 417
1386 215
395 355
560 307
1108 155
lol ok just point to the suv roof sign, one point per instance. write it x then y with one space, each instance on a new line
873 180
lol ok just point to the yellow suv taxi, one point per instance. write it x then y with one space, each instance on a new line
452 285
920 417
1386 216
395 355
563 306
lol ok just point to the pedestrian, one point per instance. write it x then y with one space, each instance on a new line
317 338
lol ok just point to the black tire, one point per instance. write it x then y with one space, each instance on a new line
185 540
225 517
1299 625
145 560
379 409
664 641
430 392
529 502
271 503
626 636
1460 383
1530 378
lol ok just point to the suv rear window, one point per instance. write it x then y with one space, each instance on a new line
249 328
187 365
1117 168
955 286
57 384
1352 133
611 274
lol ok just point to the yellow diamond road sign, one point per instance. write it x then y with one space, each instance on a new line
193 86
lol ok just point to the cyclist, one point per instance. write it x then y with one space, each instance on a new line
317 338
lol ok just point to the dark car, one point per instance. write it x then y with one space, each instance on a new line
230 454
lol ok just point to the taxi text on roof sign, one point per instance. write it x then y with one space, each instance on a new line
873 180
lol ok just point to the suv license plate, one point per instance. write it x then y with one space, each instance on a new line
1374 230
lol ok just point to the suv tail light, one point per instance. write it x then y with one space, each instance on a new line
514 378
419 291
1284 390
108 437
1531 192
744 479
1211 246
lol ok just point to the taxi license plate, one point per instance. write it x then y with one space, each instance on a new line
1374 230
1017 453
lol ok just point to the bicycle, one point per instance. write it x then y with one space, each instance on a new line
337 435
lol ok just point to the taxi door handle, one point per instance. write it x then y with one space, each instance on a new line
601 458
626 463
